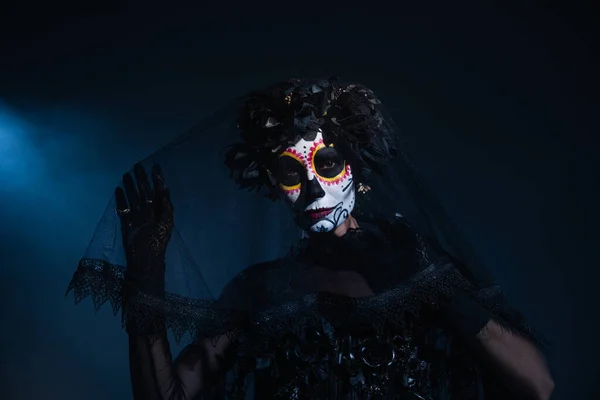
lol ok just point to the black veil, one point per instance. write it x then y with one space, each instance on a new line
221 230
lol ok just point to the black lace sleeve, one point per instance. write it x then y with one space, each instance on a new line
423 252
200 367
154 373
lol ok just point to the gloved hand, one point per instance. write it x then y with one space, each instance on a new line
146 224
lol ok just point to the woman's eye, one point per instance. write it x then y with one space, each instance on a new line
328 165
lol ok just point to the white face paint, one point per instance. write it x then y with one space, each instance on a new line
317 183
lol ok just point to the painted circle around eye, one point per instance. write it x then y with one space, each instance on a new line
297 157
331 180
290 188
293 154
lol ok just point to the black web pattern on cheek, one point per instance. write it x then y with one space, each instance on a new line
339 212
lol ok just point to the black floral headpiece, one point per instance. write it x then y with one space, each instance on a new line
349 115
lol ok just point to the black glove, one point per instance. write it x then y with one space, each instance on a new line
146 224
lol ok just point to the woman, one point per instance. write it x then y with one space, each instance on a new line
361 308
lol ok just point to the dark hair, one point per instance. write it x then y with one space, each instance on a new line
349 115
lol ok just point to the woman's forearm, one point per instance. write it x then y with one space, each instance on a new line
517 360
151 368
155 376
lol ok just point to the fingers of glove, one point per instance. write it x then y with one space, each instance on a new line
131 191
158 180
143 184
121 201
162 195
166 207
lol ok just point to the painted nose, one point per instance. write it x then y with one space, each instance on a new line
315 191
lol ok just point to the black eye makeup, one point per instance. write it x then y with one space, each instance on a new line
289 171
328 162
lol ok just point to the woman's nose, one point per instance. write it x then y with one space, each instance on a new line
314 190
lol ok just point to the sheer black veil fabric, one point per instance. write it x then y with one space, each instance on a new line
223 235
219 230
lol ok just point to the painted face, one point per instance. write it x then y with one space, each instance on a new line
317 183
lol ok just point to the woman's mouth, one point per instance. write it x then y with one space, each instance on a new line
318 213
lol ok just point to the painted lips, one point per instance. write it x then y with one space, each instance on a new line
319 213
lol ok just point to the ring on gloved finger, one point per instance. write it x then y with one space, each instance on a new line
124 211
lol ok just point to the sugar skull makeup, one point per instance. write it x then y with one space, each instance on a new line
317 183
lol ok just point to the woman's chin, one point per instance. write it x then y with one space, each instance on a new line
322 226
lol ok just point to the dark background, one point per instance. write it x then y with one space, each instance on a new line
502 101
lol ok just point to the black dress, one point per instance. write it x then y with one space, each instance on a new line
357 317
